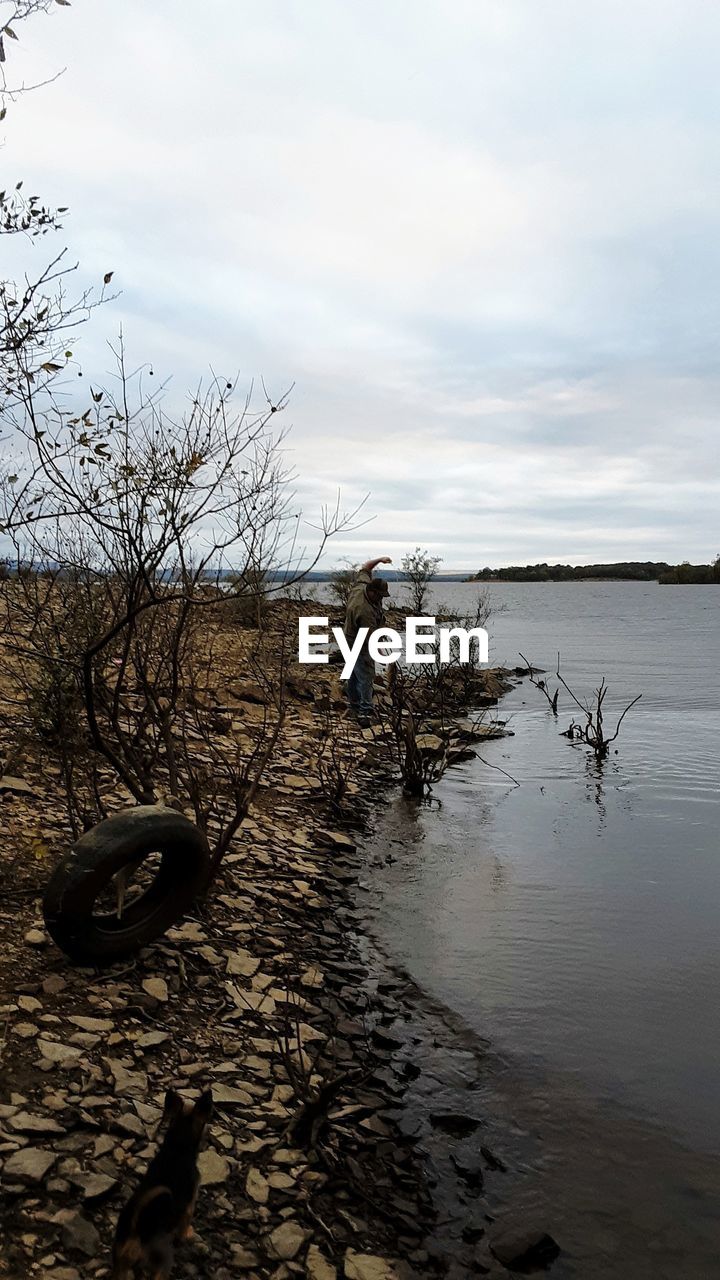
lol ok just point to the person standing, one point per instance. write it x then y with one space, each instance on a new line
364 609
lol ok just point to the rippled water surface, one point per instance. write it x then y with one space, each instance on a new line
574 920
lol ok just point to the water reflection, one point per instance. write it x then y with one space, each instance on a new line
573 921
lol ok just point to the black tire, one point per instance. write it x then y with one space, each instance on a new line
127 837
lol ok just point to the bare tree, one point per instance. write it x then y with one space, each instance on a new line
419 568
249 596
340 581
339 754
124 519
39 315
402 713
465 678
12 14
592 731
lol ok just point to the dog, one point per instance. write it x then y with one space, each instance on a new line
159 1212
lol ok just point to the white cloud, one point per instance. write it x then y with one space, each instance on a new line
480 239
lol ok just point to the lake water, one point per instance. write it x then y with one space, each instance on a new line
573 921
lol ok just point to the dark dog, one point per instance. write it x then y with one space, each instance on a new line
160 1211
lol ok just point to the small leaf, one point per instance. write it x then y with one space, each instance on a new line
9 32
108 277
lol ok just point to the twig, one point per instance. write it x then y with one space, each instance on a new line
541 685
499 769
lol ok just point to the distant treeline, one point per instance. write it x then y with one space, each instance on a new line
635 570
686 572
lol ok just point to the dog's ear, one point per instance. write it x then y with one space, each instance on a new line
174 1105
202 1111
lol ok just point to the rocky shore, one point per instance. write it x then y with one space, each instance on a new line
271 994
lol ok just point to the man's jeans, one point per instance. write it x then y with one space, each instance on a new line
360 686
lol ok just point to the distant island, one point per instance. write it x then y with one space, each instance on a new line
632 570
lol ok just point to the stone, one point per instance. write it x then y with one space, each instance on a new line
492 1160
308 1034
53 984
28 1165
17 785
338 839
367 1266
287 1155
249 691
26 1030
228 1096
298 781
455 1123
130 1123
25 1122
190 931
317 1265
524 1250
242 964
256 1186
244 1258
474 1227
470 1169
213 1168
80 1235
63 1055
36 938
92 1024
149 1114
127 1081
430 744
151 1039
157 988
286 1241
95 1186
29 1004
254 1001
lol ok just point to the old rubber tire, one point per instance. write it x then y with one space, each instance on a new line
77 882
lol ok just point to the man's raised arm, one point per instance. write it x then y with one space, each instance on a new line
369 565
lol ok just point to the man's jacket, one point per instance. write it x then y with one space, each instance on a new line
360 612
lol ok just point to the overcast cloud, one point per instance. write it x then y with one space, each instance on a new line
482 239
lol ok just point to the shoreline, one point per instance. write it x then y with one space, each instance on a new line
309 1168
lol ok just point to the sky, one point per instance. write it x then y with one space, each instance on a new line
480 239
